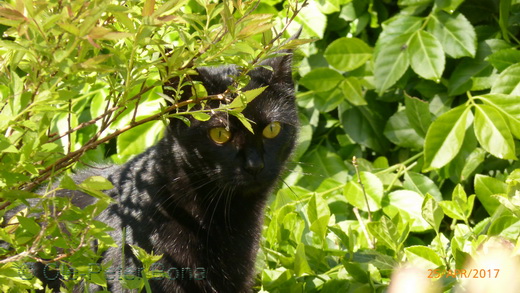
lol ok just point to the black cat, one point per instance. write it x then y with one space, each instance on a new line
197 197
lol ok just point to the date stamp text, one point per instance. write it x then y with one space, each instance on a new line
464 273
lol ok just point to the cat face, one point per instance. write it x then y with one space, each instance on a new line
223 150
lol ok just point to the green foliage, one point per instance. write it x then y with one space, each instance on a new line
81 83
424 94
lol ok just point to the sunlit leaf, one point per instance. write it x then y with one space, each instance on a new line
504 58
408 204
508 82
493 132
353 91
432 212
454 32
372 193
347 54
508 107
391 62
445 137
426 55
422 185
423 257
321 79
313 20
485 188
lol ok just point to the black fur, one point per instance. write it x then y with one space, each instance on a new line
198 203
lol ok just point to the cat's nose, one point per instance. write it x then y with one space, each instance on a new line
254 163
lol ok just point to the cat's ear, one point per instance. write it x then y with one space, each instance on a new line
282 65
280 69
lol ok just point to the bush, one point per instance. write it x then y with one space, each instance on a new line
409 148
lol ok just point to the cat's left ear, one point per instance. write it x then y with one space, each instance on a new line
282 65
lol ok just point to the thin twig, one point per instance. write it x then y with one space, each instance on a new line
360 182
363 228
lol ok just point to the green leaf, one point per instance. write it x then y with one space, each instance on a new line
391 62
319 215
471 162
398 26
493 133
423 257
418 113
455 33
485 188
452 210
67 183
460 207
373 188
512 203
201 116
352 91
462 78
356 271
399 131
321 163
503 21
426 55
421 184
448 5
321 79
317 208
508 107
28 226
329 100
12 195
464 202
408 204
137 139
314 22
378 259
363 124
445 137
243 120
272 279
508 82
245 98
502 59
256 24
96 183
385 231
347 54
432 212
506 226
301 266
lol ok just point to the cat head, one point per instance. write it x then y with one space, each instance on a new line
222 149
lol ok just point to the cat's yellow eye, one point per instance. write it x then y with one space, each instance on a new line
219 135
272 130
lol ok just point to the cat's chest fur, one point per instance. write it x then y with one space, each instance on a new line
208 243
